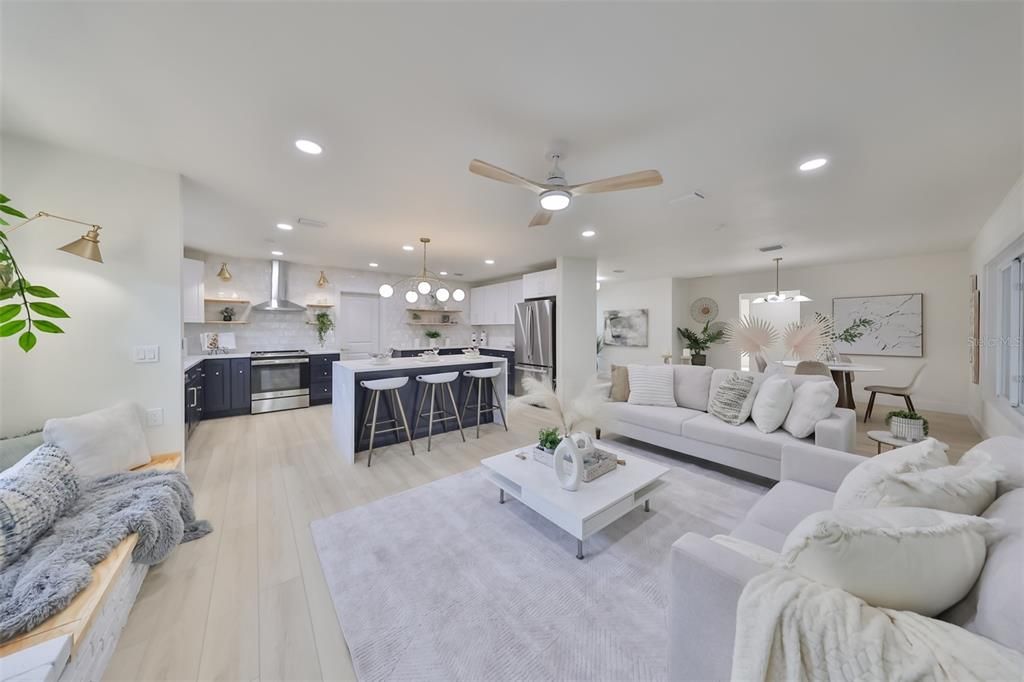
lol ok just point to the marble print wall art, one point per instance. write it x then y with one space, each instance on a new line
897 324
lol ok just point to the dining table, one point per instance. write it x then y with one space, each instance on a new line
842 374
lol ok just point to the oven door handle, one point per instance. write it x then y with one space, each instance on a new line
282 361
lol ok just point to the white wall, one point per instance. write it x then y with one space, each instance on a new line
575 313
656 296
942 278
133 298
992 416
250 279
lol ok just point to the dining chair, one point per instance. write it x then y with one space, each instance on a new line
762 363
812 367
903 391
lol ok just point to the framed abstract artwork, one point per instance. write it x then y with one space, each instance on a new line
894 324
625 327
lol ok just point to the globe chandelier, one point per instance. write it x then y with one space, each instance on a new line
423 284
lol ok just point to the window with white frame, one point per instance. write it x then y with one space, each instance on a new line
1010 340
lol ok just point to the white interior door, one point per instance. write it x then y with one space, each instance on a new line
359 325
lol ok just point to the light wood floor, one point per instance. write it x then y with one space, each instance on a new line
249 601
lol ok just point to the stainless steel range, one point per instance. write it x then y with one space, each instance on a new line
279 380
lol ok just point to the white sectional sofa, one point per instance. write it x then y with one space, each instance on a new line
689 429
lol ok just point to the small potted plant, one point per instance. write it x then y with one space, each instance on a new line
324 325
433 335
699 342
907 425
227 314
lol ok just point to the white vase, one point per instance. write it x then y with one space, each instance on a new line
569 456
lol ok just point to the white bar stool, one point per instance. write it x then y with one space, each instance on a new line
376 388
477 377
430 383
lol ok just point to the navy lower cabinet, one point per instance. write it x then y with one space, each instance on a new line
226 387
321 377
241 395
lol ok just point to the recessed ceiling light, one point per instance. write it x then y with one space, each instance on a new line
277 253
406 247
489 261
443 273
284 226
373 265
308 146
813 164
587 233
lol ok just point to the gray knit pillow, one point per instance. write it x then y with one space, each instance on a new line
34 493
730 402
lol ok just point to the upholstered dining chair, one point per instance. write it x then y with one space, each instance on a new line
762 363
812 367
904 391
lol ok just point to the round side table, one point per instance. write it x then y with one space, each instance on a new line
892 441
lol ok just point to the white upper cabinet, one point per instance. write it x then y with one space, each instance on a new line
193 290
494 303
540 284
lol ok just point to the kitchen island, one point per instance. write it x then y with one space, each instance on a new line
350 398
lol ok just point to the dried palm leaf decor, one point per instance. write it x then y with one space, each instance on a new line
807 340
751 335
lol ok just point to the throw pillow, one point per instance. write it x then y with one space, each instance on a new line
733 399
102 442
812 402
863 487
33 495
651 385
620 384
772 403
905 558
692 386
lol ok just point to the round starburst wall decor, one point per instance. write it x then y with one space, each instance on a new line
704 309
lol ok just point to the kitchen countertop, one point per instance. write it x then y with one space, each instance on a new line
457 346
414 363
191 361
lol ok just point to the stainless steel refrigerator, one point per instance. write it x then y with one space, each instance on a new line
535 341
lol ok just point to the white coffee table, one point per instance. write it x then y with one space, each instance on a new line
892 441
583 512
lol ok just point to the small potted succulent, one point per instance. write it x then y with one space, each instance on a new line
699 342
227 314
907 425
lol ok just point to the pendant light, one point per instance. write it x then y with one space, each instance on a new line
422 284
777 297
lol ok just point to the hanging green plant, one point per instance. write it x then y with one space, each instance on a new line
23 315
324 325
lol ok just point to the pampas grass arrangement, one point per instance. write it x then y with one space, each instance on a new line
583 412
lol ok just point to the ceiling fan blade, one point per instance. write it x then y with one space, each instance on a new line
647 178
541 217
500 174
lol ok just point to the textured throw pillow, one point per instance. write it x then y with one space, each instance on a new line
102 442
812 402
864 487
620 384
33 495
651 385
906 558
772 403
732 401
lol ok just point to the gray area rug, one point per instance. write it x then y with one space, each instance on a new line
443 583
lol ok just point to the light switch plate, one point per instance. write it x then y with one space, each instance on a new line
155 416
146 354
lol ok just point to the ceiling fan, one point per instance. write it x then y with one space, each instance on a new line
556 194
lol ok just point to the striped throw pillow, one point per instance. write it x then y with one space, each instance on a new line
733 399
651 385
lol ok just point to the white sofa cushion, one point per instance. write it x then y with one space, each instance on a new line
906 558
692 386
864 486
812 402
102 442
651 385
745 437
772 403
665 419
1006 453
752 531
787 504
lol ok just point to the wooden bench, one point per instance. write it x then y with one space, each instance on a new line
114 575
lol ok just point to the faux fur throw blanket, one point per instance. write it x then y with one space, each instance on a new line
790 628
157 505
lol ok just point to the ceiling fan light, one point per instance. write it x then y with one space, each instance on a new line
386 291
555 200
411 296
423 287
459 295
442 294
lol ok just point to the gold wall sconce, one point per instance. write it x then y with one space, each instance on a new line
87 246
224 274
322 281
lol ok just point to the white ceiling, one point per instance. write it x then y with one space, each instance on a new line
918 106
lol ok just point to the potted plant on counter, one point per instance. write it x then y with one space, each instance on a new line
907 425
699 342
433 335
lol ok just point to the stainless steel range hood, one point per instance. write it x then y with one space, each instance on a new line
279 291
